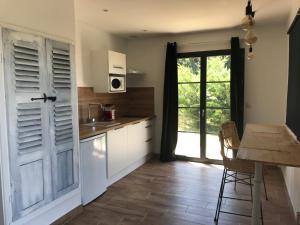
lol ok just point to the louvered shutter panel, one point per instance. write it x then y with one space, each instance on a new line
65 155
28 123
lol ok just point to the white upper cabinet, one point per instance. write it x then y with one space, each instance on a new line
109 71
116 63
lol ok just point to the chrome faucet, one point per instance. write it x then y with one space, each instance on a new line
90 119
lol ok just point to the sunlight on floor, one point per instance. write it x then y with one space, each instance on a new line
203 165
188 144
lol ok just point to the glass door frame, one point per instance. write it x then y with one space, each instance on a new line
203 55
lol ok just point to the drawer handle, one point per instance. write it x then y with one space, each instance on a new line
149 140
148 126
118 67
118 128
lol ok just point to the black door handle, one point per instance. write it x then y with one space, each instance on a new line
52 98
45 98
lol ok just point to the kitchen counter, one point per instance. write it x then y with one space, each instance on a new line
87 132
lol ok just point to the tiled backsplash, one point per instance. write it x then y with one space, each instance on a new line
135 102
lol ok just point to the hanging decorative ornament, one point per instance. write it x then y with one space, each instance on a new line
250 37
247 25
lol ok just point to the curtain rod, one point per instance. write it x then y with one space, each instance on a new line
207 42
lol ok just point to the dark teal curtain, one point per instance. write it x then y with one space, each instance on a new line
170 106
237 84
293 97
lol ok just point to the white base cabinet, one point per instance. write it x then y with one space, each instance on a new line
128 147
116 150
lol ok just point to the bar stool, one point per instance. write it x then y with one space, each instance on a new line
231 137
231 167
232 142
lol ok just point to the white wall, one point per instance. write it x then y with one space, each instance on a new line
292 175
88 40
265 75
295 5
53 18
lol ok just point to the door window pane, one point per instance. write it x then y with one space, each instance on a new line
218 68
214 119
189 69
213 147
218 95
189 119
188 144
189 95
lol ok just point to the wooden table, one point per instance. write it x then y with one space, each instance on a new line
272 144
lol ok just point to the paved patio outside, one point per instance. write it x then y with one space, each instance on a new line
188 144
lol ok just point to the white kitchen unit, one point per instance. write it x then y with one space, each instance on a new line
128 148
116 63
147 128
93 167
109 71
40 160
117 151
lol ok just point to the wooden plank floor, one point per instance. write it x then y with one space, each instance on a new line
181 193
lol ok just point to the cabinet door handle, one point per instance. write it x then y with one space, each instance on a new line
118 67
148 126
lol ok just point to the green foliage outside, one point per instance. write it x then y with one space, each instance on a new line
217 93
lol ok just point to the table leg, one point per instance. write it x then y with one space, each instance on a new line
256 200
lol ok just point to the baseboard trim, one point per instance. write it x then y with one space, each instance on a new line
288 194
129 169
53 211
69 216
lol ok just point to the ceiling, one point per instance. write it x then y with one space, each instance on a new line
156 17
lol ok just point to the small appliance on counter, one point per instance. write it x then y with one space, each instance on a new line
109 112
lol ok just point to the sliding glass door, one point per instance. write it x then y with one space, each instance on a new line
204 103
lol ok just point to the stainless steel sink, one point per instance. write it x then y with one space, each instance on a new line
102 124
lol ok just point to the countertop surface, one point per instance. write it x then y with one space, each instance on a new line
87 131
272 144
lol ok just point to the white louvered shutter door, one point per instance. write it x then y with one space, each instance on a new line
60 58
28 122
